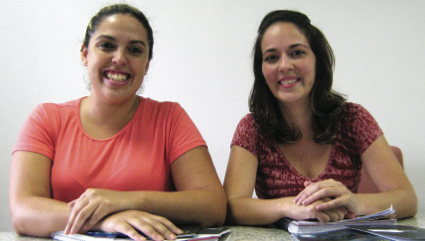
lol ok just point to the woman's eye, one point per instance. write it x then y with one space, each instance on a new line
297 53
135 50
106 46
270 58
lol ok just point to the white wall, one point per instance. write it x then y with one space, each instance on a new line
202 60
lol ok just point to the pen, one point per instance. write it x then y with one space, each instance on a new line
103 234
121 235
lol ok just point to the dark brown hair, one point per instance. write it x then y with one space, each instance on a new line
326 104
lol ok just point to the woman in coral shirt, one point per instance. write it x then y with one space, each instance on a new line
113 161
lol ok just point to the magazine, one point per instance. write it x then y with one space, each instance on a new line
392 232
341 234
385 217
192 233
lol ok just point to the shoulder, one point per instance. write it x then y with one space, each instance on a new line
361 124
350 107
159 106
248 122
355 112
164 112
50 110
246 132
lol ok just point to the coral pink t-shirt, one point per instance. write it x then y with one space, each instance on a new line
275 175
136 158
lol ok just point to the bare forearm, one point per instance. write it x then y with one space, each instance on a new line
253 211
404 202
205 207
39 216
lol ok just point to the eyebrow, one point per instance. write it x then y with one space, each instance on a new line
290 47
113 39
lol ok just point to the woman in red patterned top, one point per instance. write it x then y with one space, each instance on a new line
302 146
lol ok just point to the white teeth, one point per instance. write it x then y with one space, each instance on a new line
287 82
117 77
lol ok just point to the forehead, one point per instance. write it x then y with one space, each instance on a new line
283 34
122 25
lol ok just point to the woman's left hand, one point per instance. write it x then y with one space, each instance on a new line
336 191
92 206
129 222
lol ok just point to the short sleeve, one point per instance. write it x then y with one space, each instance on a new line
367 129
36 134
246 135
183 133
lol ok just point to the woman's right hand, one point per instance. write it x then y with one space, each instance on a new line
93 205
130 221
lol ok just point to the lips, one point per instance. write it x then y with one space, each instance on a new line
288 81
117 76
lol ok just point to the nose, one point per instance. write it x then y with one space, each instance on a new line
285 63
119 58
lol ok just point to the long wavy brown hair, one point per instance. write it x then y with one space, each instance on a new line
326 103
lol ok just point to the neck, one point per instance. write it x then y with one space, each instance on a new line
300 114
109 115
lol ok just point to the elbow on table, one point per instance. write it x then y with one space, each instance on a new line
20 226
413 206
24 224
237 216
17 224
215 215
409 206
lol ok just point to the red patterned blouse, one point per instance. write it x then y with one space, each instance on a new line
277 178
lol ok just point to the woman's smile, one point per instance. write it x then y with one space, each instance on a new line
116 78
288 82
117 58
288 63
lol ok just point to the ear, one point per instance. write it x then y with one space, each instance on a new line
84 53
147 67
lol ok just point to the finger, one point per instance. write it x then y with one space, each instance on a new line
72 203
100 212
301 196
73 215
333 216
342 211
150 228
326 192
74 206
350 215
167 228
323 217
170 225
335 203
81 217
304 192
310 190
163 226
307 183
128 230
337 213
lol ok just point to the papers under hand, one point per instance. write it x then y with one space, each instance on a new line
392 232
192 233
385 217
